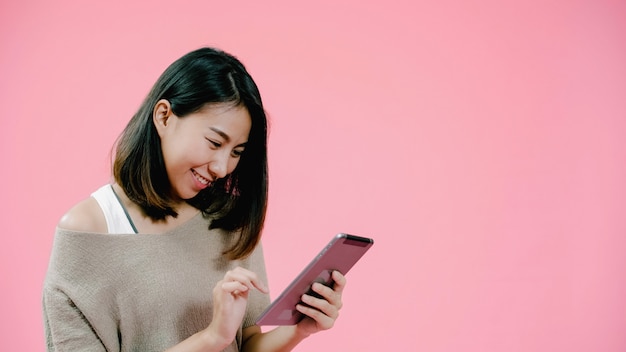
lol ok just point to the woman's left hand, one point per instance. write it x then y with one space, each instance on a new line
322 313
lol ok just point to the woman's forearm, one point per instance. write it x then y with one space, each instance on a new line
201 341
280 339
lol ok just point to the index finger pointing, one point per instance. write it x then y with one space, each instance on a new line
248 278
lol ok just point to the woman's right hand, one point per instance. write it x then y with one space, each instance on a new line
230 299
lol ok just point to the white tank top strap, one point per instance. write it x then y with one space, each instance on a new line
117 220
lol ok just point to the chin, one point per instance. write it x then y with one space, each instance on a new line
187 194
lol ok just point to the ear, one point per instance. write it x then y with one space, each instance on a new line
161 115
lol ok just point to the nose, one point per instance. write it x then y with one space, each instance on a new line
218 167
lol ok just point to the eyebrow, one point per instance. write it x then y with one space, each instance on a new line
224 135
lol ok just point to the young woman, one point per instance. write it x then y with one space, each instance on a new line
167 256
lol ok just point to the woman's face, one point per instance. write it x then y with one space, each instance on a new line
203 146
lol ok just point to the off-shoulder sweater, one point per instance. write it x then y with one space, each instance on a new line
139 292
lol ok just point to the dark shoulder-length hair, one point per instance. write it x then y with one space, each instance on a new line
237 202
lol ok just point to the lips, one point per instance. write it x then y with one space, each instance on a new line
205 181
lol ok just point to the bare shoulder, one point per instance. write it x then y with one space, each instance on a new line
85 216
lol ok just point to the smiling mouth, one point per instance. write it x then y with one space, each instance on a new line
200 178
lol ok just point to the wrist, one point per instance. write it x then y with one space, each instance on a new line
212 341
300 332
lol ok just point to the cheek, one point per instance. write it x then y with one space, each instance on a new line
177 157
232 164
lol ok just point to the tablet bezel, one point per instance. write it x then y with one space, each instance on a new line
341 253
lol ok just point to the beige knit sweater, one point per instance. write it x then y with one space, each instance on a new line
138 292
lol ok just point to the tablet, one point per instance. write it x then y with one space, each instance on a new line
341 253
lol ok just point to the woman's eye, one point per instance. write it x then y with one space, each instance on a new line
214 143
237 153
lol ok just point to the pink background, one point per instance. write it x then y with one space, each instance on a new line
481 143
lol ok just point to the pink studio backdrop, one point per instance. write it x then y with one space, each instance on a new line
481 143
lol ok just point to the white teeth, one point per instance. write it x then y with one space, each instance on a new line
202 180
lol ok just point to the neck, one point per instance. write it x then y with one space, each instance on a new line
146 224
